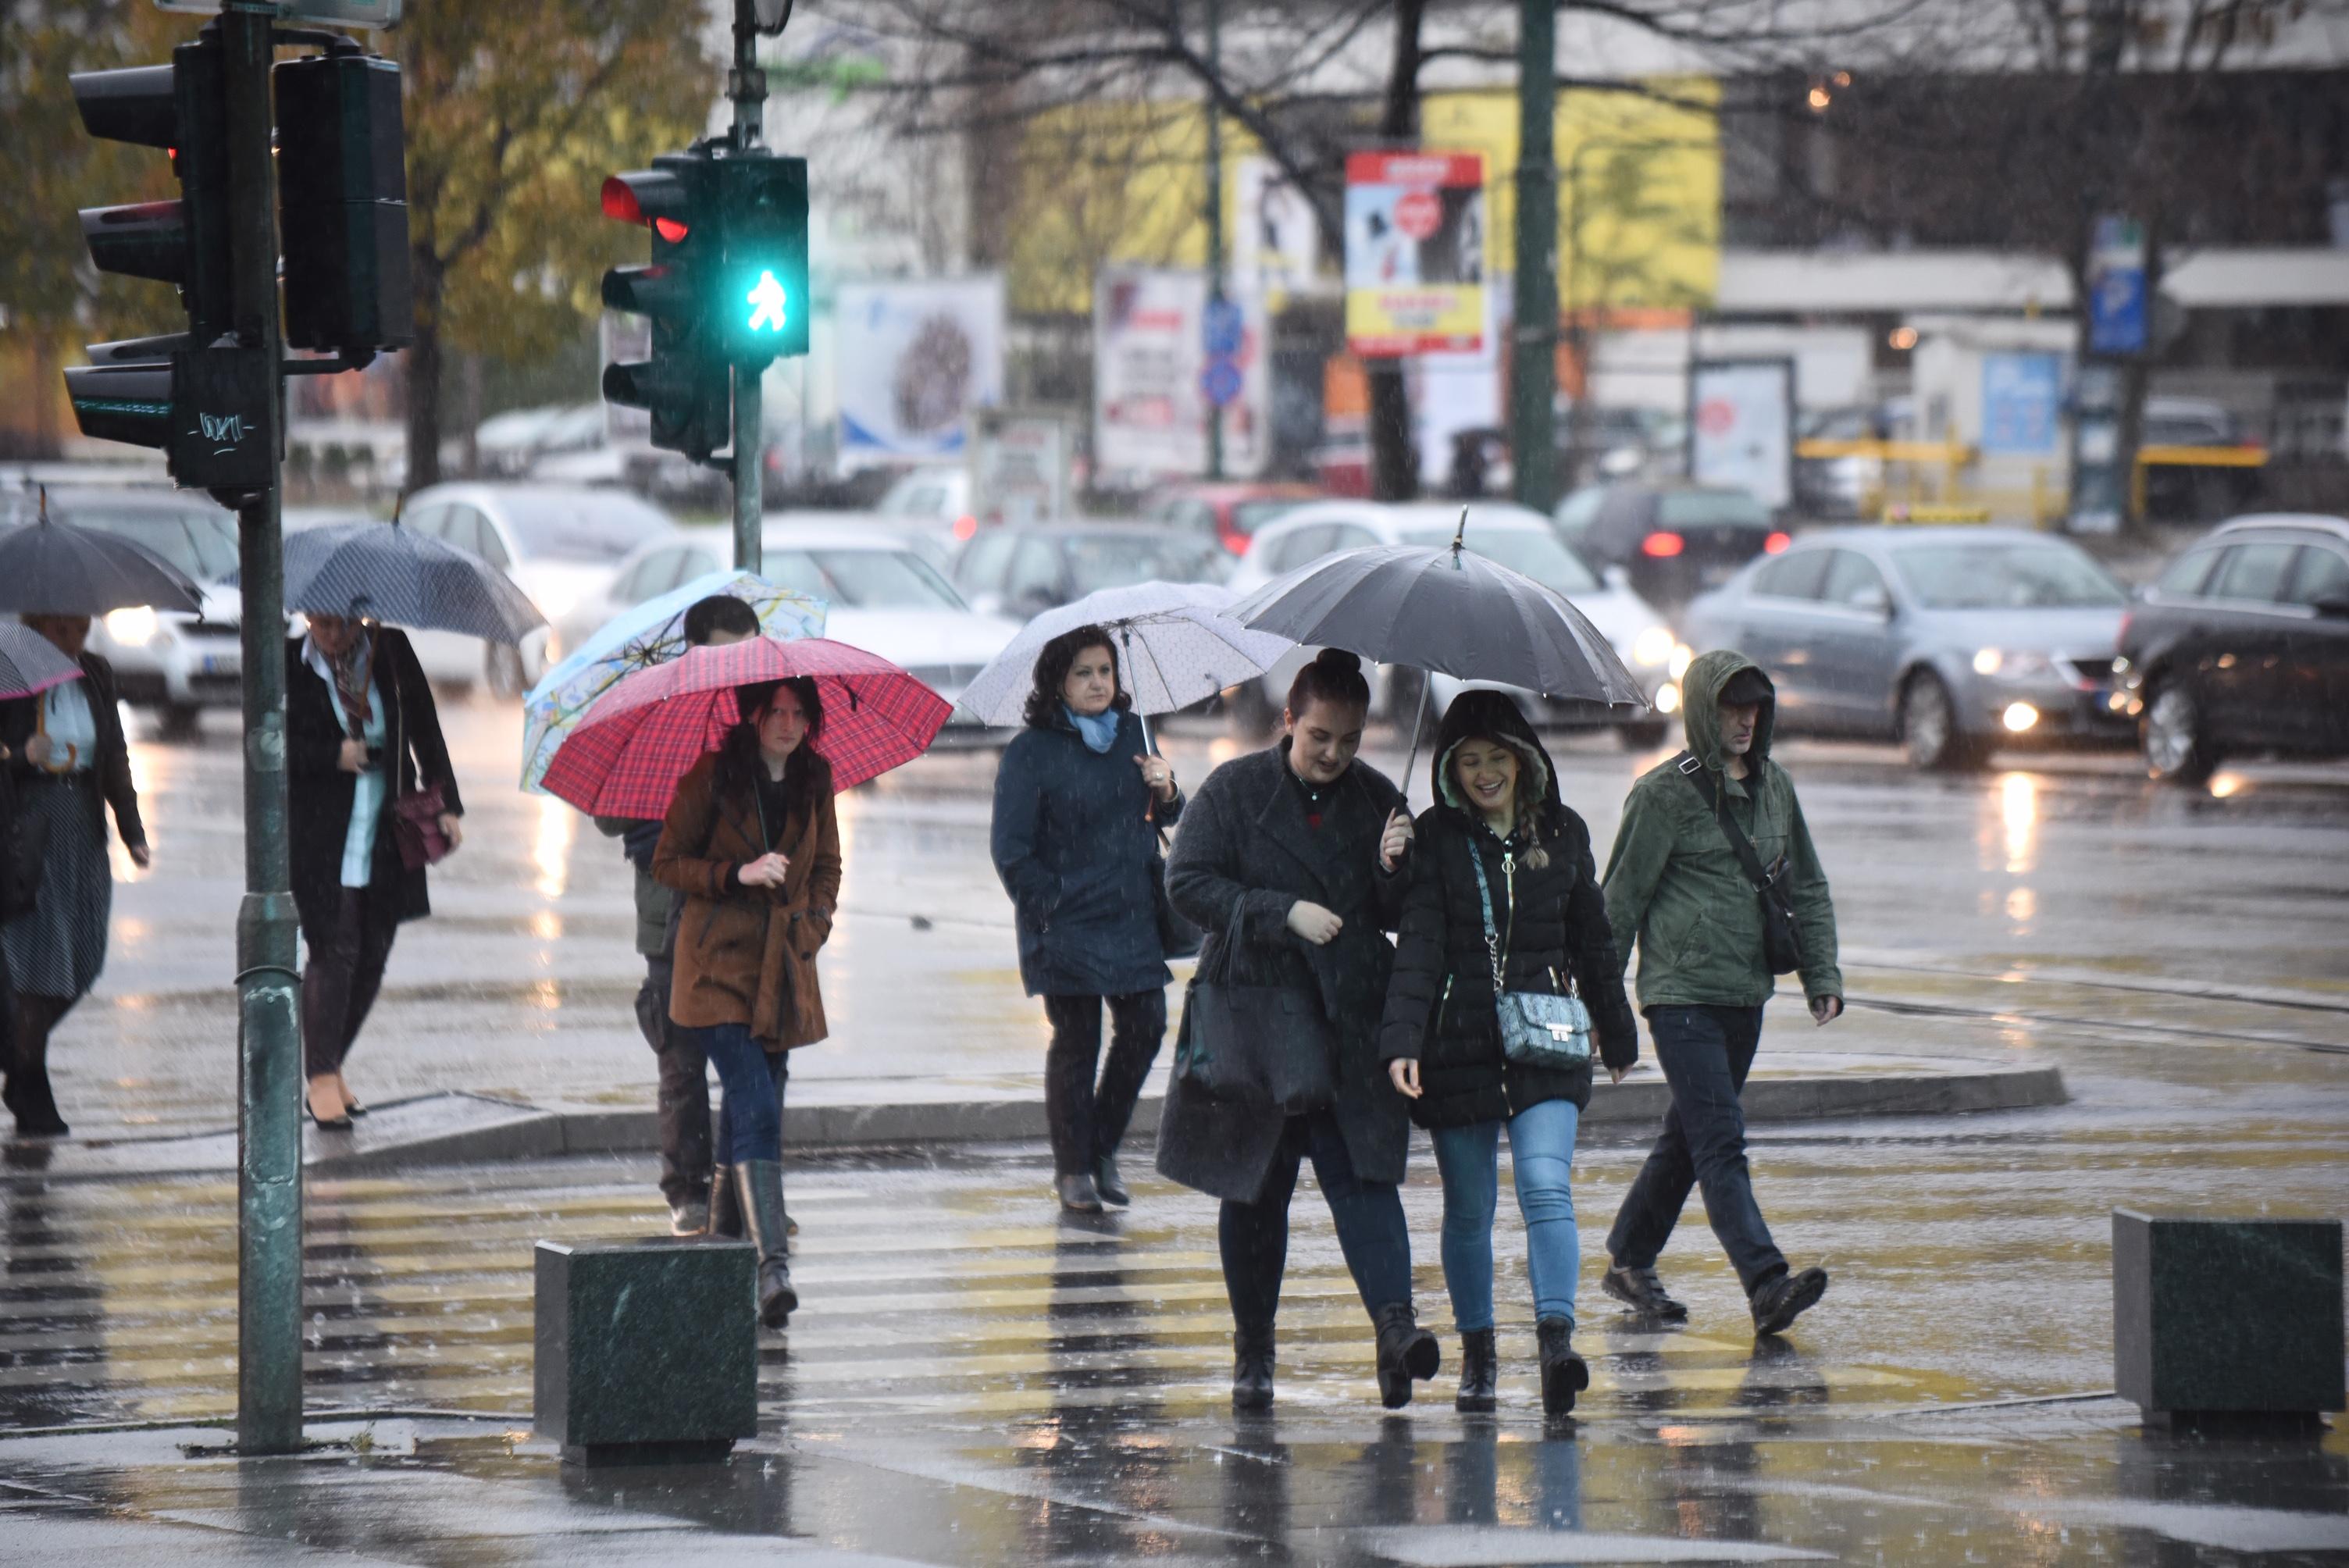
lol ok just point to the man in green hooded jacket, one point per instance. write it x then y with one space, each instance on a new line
1676 884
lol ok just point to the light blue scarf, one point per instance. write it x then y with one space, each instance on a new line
1100 730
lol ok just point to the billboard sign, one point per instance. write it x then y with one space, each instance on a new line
1741 427
914 360
1414 253
2021 403
1153 381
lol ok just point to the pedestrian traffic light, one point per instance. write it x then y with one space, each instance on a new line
684 385
761 304
342 195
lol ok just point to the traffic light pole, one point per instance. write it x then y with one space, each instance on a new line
747 86
269 1044
1532 338
1214 215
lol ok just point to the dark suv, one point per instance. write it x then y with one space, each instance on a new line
2242 644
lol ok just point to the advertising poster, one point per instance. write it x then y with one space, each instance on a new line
1741 427
1414 253
2022 398
1020 465
913 359
1150 354
1276 244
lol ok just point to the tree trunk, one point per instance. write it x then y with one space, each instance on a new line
423 370
1394 454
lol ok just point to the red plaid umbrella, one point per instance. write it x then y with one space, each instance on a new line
625 756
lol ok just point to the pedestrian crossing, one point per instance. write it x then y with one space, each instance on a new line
932 1291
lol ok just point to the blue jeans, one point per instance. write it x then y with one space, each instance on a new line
1705 1053
751 1120
1253 1237
1541 1160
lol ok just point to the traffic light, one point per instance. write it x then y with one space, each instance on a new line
761 304
342 195
684 385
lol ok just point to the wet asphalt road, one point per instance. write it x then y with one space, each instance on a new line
973 1380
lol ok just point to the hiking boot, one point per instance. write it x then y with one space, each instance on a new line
1779 1301
1563 1373
1643 1293
1480 1372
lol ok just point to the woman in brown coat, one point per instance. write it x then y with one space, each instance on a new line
752 843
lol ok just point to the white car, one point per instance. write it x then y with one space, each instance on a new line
1519 538
881 592
934 494
171 661
561 545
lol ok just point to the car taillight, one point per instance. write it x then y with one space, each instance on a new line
1778 540
1662 546
965 526
1237 543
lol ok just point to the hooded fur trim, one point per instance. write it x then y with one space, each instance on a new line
1493 715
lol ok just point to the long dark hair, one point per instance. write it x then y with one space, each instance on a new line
807 776
1052 667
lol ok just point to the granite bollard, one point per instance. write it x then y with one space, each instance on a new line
647 1352
2221 1319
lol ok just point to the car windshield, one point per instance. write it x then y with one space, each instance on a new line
1700 508
2002 576
1539 554
1108 561
1250 515
579 528
201 544
858 579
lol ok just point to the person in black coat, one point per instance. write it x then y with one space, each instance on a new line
361 732
1499 810
1078 803
70 763
1290 857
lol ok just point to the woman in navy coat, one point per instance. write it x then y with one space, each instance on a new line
1079 804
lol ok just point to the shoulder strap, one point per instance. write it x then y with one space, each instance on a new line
1690 768
1485 898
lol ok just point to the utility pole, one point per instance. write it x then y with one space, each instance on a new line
747 86
1533 344
1214 221
269 1037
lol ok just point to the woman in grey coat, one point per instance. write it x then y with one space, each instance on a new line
1292 854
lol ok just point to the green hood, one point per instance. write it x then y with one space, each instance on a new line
1701 706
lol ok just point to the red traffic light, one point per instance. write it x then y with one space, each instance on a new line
653 197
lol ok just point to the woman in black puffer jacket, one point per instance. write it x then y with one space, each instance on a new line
1497 801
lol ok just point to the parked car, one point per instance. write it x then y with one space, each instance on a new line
880 591
2197 490
1519 538
1024 571
1675 540
1229 512
1951 640
2242 644
938 492
174 663
561 545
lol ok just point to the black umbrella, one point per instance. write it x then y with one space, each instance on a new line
388 572
1446 609
49 568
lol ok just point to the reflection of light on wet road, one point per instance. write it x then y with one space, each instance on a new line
546 996
2225 786
2022 907
558 824
2017 810
546 926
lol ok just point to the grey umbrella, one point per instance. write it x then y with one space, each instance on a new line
30 663
1447 609
49 568
388 572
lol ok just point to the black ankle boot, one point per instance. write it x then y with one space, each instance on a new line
1252 1368
759 1188
1480 1372
1563 1373
725 1208
1109 1184
35 1104
1407 1354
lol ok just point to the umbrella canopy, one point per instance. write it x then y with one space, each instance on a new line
387 573
649 634
1176 646
56 569
1446 609
30 663
625 756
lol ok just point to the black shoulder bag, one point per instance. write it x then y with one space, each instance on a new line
1782 940
1267 1047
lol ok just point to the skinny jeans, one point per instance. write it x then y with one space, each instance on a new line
1541 1162
751 1117
1254 1236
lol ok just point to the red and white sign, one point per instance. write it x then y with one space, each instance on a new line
1414 253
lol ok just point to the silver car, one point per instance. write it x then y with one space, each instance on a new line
1951 640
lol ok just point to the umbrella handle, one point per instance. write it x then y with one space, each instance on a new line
1418 724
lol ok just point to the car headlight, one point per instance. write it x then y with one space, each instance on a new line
1683 656
133 627
2008 666
1652 647
554 599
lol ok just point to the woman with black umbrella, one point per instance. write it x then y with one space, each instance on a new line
1289 860
70 763
363 754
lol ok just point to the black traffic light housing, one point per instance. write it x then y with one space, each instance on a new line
685 385
342 195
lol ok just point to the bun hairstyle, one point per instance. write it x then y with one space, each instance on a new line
1335 676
